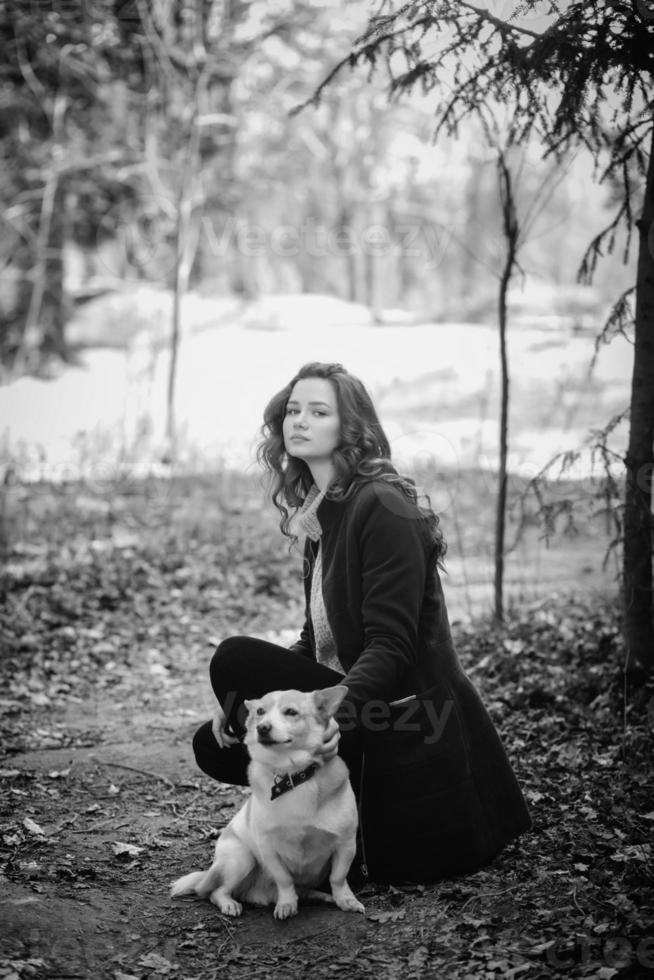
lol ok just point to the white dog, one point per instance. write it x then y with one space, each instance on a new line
300 821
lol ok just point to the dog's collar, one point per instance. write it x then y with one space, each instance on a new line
288 781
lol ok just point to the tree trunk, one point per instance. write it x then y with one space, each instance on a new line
54 309
179 288
43 332
510 231
186 246
500 513
639 462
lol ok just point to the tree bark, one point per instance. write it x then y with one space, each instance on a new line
639 462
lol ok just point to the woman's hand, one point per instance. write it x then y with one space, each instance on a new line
219 729
330 740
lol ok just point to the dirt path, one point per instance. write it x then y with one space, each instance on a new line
97 827
106 625
79 909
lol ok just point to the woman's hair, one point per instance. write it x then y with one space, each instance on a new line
363 452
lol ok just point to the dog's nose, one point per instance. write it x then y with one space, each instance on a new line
264 727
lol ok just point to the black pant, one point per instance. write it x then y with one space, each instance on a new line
245 668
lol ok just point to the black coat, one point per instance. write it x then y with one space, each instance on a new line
438 793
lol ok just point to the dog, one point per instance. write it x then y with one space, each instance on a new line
298 824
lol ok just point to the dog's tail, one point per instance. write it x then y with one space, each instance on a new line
200 883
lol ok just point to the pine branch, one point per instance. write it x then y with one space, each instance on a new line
619 320
501 25
594 251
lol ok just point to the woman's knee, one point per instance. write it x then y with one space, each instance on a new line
204 746
225 765
238 662
226 662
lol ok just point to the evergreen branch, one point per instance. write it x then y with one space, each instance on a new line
619 319
367 50
501 25
588 265
619 162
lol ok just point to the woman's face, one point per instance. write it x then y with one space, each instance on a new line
312 424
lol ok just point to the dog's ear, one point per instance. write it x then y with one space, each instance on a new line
248 705
328 699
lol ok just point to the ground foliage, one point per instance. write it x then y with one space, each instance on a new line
111 603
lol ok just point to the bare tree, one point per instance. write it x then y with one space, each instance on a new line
510 231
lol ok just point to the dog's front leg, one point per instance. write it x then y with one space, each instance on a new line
286 894
232 863
341 862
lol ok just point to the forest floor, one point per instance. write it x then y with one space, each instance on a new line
112 600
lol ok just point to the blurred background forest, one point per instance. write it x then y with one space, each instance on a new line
177 240
127 126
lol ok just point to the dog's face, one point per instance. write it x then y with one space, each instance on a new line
285 729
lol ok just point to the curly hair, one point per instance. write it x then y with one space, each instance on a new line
363 452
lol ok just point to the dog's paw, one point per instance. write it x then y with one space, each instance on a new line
226 904
347 900
284 910
351 904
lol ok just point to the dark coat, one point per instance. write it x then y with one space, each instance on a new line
438 794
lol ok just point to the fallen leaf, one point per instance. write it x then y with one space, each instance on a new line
31 868
32 827
40 700
391 916
418 958
121 849
152 961
633 852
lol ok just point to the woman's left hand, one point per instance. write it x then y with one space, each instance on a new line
330 740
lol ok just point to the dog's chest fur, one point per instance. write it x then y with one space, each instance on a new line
300 827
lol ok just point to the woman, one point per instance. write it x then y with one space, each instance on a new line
437 795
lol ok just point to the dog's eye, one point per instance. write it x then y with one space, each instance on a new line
261 711
290 711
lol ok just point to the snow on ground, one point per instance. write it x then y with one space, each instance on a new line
436 385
